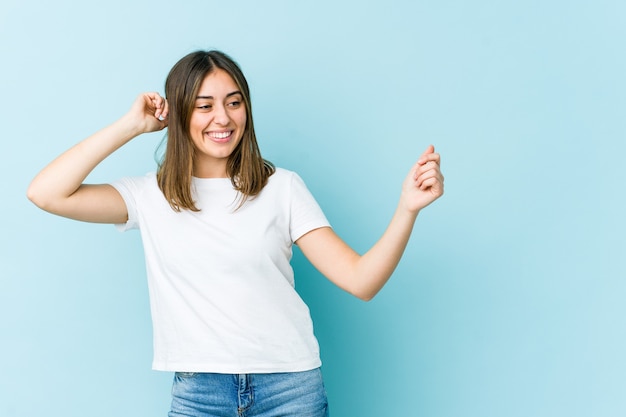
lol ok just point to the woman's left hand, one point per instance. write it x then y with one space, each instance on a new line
424 184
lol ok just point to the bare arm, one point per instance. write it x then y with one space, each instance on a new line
59 187
364 275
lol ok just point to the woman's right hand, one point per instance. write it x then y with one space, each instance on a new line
149 113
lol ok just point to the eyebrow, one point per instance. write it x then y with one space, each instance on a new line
211 97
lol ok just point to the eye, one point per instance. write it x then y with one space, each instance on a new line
204 107
234 104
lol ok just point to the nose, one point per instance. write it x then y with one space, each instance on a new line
220 115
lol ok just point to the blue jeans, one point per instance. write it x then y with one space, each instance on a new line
293 394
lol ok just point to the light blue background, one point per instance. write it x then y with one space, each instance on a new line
510 298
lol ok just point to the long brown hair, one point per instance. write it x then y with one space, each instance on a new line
246 168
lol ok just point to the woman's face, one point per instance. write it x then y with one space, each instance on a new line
218 121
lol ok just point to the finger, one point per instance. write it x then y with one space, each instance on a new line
427 172
166 110
158 104
419 182
427 166
154 98
432 184
429 150
431 173
433 156
425 176
426 158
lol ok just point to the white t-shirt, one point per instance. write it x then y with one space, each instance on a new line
222 293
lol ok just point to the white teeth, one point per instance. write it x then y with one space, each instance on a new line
219 135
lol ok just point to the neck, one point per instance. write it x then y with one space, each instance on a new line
210 170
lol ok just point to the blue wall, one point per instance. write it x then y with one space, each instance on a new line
510 298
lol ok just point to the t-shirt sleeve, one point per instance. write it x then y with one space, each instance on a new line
129 188
306 214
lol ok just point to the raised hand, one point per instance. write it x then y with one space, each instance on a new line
424 183
364 275
59 187
148 113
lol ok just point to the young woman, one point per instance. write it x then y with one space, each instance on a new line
218 223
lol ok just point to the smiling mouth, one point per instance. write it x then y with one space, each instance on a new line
220 136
